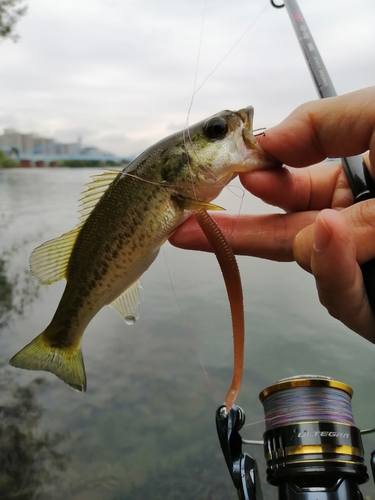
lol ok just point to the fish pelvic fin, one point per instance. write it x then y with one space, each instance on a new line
66 364
127 304
190 204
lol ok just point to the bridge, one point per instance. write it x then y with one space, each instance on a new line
31 150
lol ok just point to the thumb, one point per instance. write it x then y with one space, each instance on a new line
329 249
360 218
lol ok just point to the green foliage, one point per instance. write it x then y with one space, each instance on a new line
80 163
29 457
87 163
5 161
18 288
10 13
6 294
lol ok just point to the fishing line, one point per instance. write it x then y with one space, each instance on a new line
190 328
238 41
307 400
165 184
196 65
230 50
238 361
186 133
154 183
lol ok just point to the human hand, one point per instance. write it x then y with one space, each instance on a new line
329 243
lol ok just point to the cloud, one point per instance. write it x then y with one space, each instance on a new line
123 72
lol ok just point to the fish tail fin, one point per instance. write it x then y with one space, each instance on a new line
67 364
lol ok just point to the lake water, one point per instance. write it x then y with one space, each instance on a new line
145 427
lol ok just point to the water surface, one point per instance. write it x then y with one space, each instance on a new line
145 428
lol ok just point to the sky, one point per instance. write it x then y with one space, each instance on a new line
122 74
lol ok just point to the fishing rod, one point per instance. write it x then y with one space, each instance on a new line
359 178
313 449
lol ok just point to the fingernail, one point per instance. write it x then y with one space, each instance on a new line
322 235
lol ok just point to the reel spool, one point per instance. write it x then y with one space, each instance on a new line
310 437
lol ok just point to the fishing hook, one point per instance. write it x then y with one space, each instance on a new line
259 131
276 6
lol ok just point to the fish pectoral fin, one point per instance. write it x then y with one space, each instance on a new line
127 304
66 364
192 204
49 261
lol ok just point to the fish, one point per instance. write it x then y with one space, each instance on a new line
125 217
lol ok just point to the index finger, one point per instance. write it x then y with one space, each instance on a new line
268 236
327 128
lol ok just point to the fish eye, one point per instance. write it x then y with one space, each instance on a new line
215 129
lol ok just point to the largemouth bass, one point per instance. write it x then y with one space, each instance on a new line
125 218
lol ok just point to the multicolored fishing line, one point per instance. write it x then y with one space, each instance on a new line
306 404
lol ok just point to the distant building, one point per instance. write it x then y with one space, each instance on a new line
32 149
55 149
21 142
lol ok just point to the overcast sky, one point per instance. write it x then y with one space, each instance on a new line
120 73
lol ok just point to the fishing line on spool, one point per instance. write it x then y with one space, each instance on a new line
303 404
309 400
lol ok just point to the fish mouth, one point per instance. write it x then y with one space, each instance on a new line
246 115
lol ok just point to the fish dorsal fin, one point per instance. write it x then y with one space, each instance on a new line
127 304
94 191
49 261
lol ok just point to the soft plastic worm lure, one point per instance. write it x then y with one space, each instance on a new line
231 274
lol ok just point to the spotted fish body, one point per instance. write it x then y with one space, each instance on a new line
125 218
